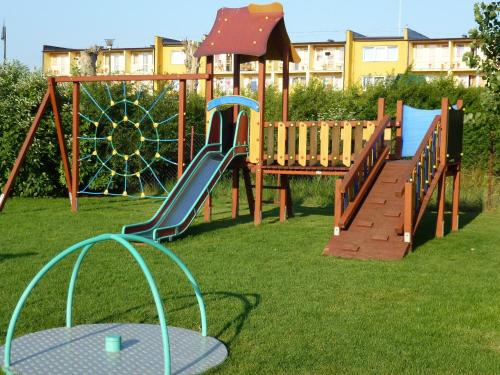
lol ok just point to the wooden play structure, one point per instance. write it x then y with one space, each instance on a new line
390 167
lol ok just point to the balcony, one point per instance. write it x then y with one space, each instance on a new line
431 66
331 66
460 65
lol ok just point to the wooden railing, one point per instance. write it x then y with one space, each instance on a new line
316 143
426 168
350 191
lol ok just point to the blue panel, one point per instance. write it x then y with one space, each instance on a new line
233 99
416 122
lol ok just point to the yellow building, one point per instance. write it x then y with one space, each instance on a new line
359 60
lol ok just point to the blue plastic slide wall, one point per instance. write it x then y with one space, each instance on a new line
416 122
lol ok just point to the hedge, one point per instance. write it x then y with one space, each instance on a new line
21 91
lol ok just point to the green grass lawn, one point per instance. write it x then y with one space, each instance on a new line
277 303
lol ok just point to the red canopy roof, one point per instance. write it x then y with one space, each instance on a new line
255 30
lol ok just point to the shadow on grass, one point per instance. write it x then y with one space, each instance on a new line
427 228
249 302
7 256
271 215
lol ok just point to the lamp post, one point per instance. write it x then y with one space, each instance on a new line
109 44
4 38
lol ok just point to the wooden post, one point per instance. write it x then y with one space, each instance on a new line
24 149
337 209
236 109
456 199
408 212
60 134
209 94
181 128
282 195
75 158
259 174
248 188
289 201
380 109
235 193
284 187
236 83
399 129
441 198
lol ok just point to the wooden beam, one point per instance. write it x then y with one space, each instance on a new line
248 188
441 205
60 133
137 77
399 128
259 176
408 214
209 94
24 149
455 210
181 128
236 83
75 153
285 83
235 193
380 109
282 197
289 199
337 207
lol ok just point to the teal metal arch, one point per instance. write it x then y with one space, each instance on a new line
122 239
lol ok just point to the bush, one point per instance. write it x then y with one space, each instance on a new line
21 92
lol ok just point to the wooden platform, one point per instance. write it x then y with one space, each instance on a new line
376 230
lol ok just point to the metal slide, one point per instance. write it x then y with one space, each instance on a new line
190 192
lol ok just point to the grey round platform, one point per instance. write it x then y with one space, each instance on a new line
80 350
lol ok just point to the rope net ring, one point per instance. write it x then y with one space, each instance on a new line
126 142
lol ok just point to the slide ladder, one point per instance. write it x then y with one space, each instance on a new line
225 141
380 202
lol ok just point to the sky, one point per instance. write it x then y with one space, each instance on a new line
80 24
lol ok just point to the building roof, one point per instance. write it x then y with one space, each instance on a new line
48 48
169 41
251 31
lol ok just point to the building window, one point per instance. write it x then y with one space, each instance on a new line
177 57
224 84
431 57
117 63
380 53
298 80
223 63
335 82
329 59
142 62
303 65
371 80
59 64
250 66
460 51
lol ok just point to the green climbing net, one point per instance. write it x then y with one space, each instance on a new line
127 145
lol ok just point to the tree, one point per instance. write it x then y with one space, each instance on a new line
191 62
486 40
88 61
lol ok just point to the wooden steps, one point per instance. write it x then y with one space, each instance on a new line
374 232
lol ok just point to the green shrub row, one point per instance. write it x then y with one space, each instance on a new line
21 92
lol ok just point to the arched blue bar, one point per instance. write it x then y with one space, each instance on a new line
233 99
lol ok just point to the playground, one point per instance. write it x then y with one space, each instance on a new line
278 305
246 273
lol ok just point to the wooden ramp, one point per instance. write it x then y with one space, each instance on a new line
376 230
